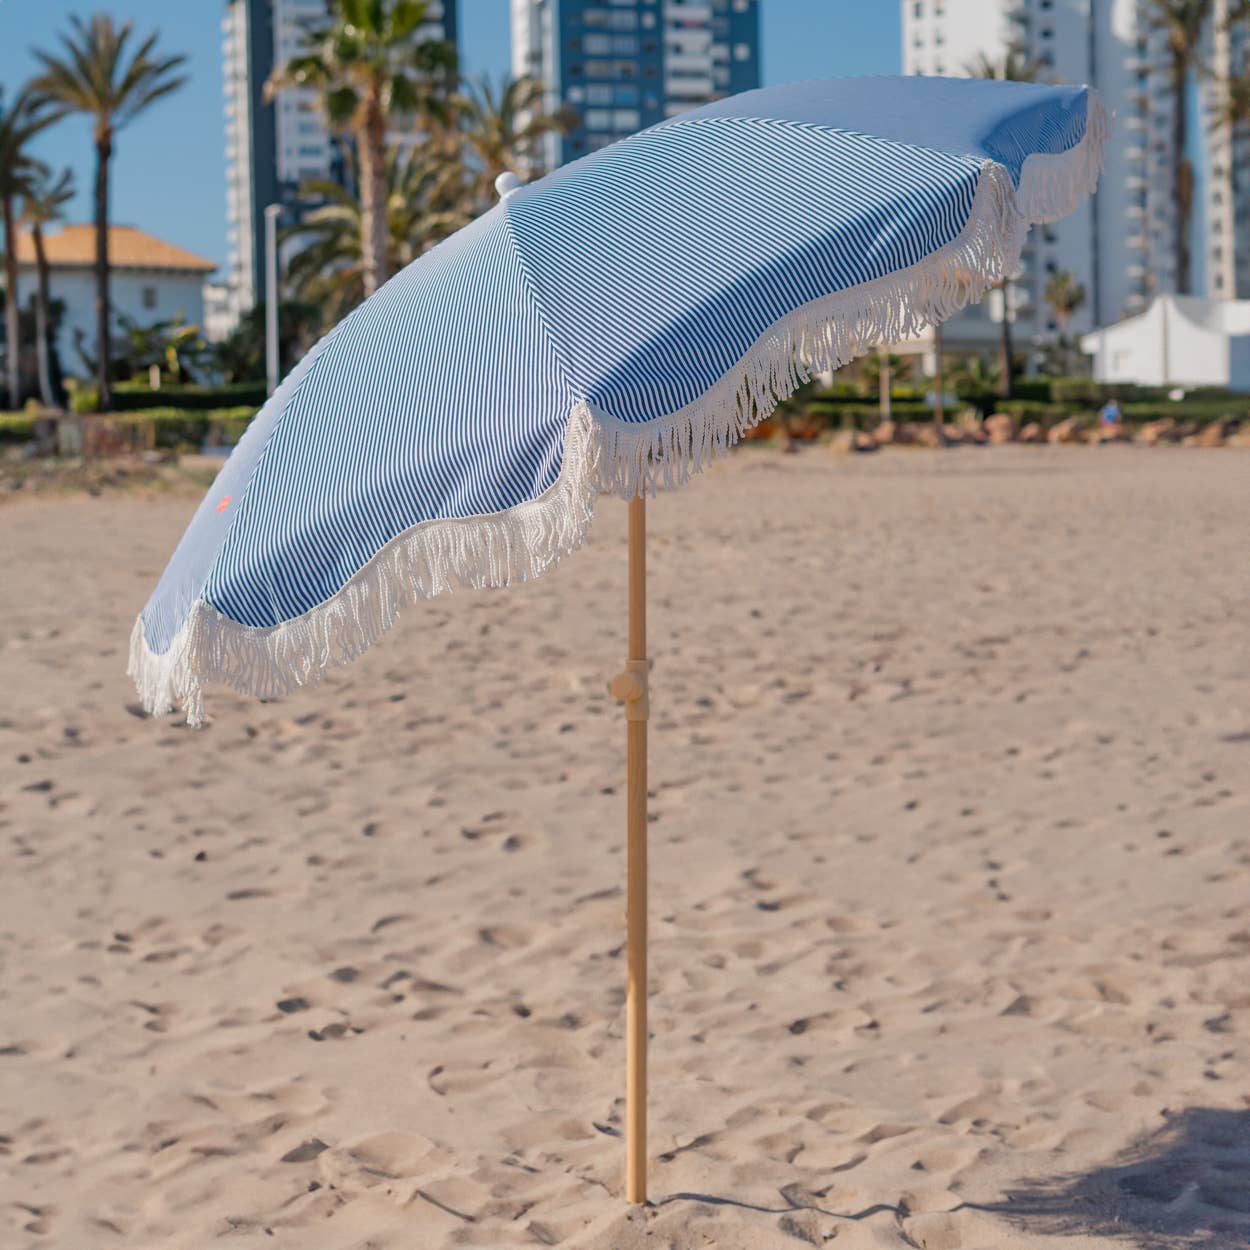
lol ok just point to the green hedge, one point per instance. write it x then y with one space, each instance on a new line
836 409
173 429
139 397
178 428
16 427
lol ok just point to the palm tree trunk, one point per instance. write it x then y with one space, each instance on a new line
1005 384
42 347
103 150
1181 173
12 329
371 140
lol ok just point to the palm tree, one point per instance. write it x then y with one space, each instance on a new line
1233 107
97 75
502 126
1066 296
1184 22
424 203
41 205
1015 66
372 66
19 124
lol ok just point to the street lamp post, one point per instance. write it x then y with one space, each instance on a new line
272 212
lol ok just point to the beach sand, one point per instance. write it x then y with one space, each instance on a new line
950 883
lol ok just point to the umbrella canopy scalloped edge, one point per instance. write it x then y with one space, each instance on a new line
604 455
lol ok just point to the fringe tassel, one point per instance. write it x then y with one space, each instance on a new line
602 453
428 560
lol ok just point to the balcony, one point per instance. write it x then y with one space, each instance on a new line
689 88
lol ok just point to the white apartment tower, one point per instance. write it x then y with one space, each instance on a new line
1120 244
1225 206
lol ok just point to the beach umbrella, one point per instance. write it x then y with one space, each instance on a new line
610 328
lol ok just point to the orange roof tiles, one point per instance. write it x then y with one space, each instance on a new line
129 248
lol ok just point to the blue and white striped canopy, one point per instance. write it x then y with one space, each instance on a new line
609 327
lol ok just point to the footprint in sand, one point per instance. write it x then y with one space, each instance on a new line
380 1160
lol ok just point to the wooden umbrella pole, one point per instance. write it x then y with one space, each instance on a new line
631 687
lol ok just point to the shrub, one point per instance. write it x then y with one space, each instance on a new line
181 429
138 396
16 427
84 397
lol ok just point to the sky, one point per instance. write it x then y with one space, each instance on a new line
169 165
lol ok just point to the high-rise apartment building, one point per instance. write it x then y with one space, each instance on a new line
621 65
1120 245
274 147
1225 206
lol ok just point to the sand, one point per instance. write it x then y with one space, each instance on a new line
950 883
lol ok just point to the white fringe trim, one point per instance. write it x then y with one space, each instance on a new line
427 560
602 453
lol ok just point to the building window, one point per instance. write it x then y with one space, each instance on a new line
742 51
149 297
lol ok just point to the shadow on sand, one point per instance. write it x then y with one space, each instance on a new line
1187 1185
1184 1187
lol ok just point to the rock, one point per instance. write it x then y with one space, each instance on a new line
854 441
1116 433
1240 437
1033 433
890 433
929 435
1155 432
1067 431
1211 435
1001 428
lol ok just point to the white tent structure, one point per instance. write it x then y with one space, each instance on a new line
1178 341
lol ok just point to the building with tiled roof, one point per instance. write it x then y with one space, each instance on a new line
151 281
129 248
